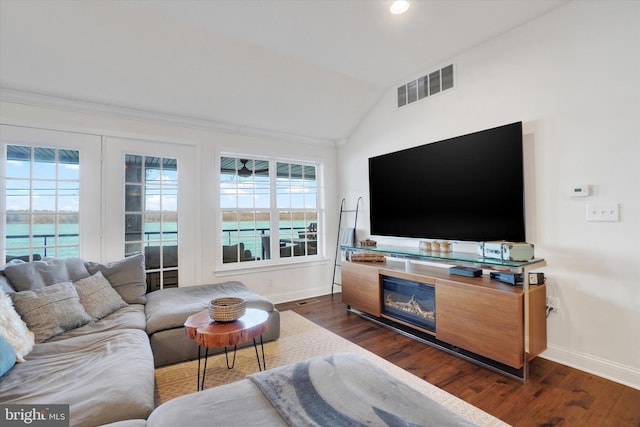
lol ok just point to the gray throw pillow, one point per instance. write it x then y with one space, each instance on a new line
38 274
4 282
98 297
51 310
4 285
127 277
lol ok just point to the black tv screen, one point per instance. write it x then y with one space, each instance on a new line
467 188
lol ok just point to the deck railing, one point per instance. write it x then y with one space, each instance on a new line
227 234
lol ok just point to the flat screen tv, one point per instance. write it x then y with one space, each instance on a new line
467 188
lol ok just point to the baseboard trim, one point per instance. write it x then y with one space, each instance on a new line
304 294
623 374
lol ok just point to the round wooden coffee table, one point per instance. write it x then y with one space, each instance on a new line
208 333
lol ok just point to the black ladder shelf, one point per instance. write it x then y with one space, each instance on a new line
346 236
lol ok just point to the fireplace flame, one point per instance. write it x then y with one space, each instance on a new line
411 307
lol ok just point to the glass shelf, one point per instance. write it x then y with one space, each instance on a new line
448 257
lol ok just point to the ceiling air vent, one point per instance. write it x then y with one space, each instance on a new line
431 83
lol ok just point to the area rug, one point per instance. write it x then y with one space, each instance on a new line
299 339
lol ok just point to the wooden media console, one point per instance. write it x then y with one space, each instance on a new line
491 323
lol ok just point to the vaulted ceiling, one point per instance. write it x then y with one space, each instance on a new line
312 68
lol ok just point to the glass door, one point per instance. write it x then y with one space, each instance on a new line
151 186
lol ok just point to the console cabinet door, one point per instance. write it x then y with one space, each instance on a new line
361 287
485 321
538 320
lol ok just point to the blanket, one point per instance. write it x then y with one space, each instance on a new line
347 390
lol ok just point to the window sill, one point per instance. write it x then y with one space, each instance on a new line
258 267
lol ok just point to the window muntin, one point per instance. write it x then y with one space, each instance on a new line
151 216
265 205
42 202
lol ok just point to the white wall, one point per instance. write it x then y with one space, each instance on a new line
573 78
280 283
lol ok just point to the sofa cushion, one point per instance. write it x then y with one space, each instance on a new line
98 297
225 405
51 310
13 328
38 274
7 356
127 277
169 308
4 281
104 377
129 317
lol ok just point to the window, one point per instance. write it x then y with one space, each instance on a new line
297 194
42 202
73 194
269 209
151 216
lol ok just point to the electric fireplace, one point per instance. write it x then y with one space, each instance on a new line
409 301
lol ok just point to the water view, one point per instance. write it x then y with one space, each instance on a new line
247 232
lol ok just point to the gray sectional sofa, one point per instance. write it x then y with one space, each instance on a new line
101 360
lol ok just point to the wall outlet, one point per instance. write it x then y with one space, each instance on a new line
553 302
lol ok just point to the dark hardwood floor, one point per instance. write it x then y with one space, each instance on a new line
554 395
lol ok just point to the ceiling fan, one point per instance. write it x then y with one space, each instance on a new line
245 171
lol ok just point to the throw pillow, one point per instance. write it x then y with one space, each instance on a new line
4 282
7 356
127 277
38 274
98 297
51 311
13 328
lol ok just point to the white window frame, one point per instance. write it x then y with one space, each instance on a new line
275 259
89 148
115 149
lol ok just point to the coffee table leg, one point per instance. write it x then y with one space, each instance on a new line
264 361
204 371
233 363
198 389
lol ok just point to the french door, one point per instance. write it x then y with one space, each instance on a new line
150 207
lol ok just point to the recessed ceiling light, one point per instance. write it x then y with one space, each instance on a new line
399 6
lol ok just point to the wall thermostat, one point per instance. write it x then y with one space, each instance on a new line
579 191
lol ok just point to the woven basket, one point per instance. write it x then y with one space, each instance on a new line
227 309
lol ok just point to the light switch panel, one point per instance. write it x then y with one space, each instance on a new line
603 212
